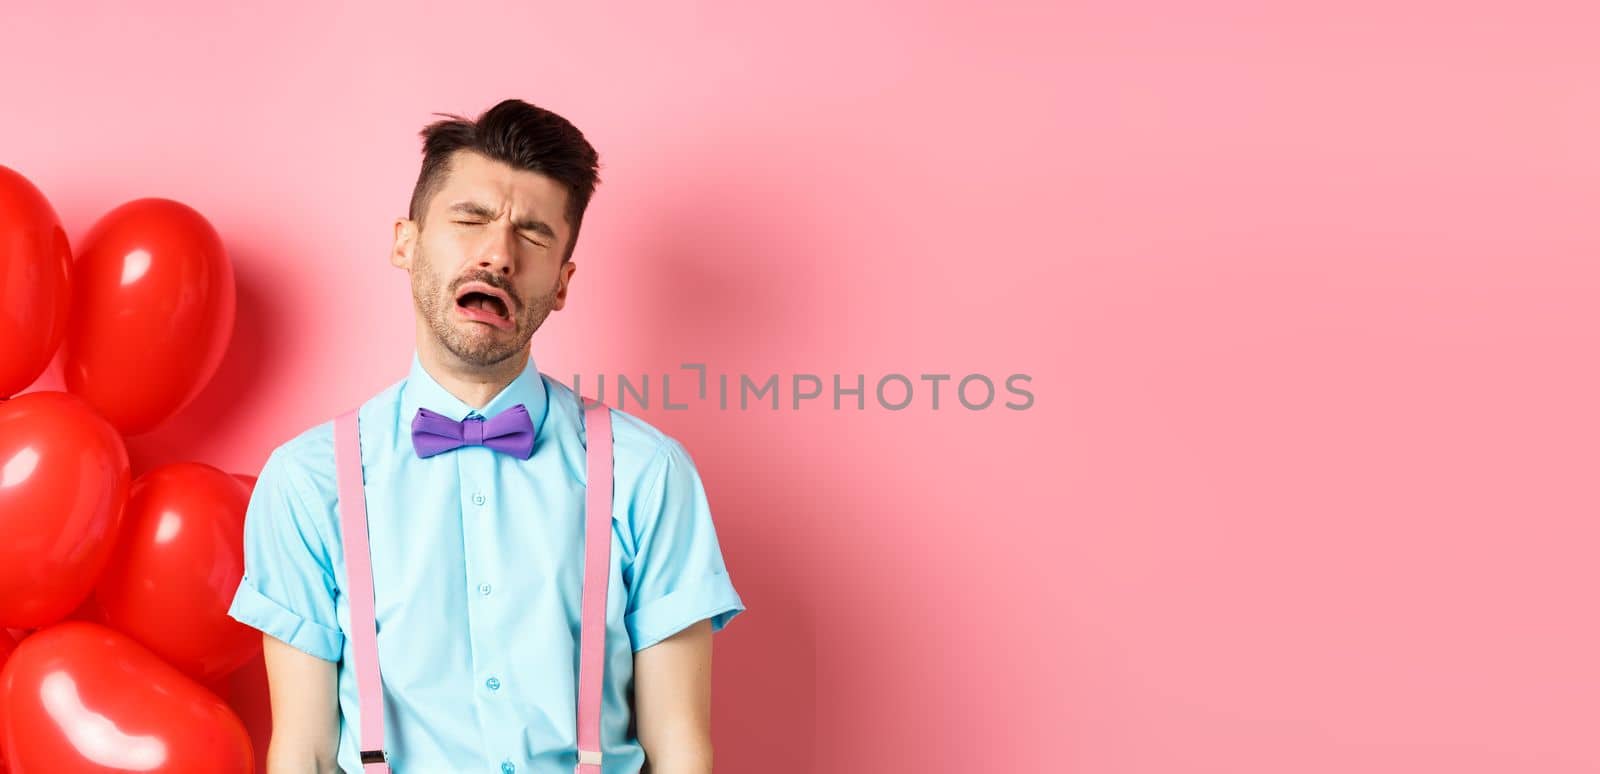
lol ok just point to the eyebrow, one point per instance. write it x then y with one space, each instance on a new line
525 224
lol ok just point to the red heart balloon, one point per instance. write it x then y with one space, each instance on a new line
7 645
63 483
152 312
79 697
176 566
35 262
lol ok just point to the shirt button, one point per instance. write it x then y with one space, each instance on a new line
478 498
508 767
484 589
493 683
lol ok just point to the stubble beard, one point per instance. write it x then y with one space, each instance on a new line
475 343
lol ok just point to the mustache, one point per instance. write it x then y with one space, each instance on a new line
487 278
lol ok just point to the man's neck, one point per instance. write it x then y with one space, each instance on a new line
473 385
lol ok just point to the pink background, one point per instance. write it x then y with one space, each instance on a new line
1308 298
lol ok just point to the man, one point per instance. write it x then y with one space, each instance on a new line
476 553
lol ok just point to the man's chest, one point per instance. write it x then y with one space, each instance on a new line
478 577
461 528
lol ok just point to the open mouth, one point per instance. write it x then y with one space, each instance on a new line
483 303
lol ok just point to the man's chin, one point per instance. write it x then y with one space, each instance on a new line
482 343
483 356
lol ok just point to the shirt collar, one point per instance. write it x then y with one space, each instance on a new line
421 390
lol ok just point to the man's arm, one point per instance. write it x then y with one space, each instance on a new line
672 701
305 710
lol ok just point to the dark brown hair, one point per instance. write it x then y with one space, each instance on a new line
524 136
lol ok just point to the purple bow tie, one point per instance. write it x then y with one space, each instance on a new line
510 431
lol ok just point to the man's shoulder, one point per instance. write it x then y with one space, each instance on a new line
304 462
308 446
633 439
654 471
307 458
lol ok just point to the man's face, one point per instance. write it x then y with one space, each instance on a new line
486 263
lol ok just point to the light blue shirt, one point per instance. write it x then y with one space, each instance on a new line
477 572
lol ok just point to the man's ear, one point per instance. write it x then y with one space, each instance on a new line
405 242
567 270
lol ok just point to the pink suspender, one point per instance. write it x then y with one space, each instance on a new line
358 566
596 574
596 578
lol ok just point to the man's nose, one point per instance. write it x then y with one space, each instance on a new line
497 250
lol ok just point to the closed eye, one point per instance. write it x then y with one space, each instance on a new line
531 241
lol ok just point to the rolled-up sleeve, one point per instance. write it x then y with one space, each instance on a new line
677 577
288 588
